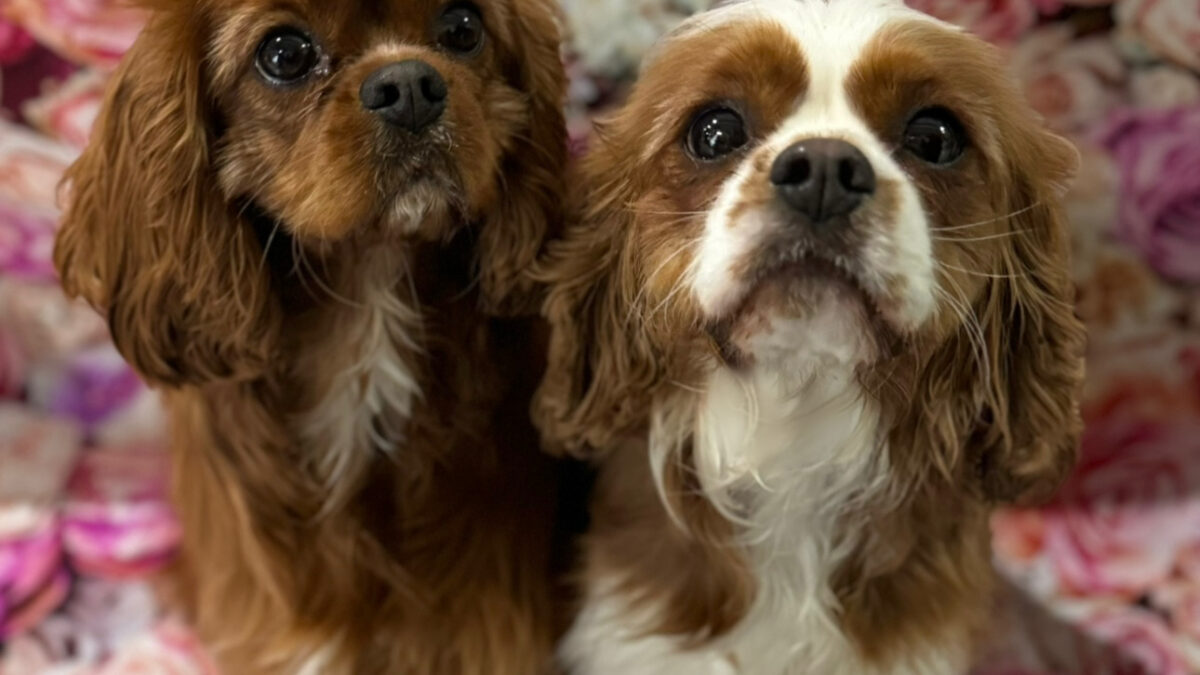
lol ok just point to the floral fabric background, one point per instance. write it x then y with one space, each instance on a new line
1106 579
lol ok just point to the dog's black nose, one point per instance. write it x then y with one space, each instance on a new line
409 94
823 178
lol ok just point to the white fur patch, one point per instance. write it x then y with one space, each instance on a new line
319 662
784 450
372 395
605 641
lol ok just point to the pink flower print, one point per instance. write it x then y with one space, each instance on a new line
999 21
86 31
1159 160
1132 505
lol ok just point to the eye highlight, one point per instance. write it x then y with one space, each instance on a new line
935 136
286 56
460 29
716 133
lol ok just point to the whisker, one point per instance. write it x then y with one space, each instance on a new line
412 284
633 306
247 202
973 273
325 268
298 271
267 247
679 286
683 282
1014 214
970 321
989 237
685 386
333 295
889 381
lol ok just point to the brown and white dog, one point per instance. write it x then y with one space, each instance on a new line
814 323
300 218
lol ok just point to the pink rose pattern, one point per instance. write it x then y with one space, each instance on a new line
67 113
1160 175
84 518
1118 525
1072 83
87 31
1169 29
15 42
1110 571
12 365
1001 21
26 244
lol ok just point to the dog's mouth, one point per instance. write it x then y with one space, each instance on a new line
421 192
432 147
796 286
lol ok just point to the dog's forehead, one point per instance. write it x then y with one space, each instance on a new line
355 17
828 46
346 27
830 33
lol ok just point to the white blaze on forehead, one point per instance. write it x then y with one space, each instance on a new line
808 15
832 35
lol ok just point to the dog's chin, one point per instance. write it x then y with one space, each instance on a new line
425 210
809 311
421 188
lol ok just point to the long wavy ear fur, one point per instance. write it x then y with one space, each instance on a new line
1028 441
1011 433
531 207
602 365
148 239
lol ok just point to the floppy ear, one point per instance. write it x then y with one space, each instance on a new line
601 366
531 208
1028 439
148 239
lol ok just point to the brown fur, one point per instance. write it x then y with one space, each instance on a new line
623 345
230 231
695 574
616 340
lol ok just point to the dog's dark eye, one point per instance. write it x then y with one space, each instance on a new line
935 136
716 133
460 29
286 55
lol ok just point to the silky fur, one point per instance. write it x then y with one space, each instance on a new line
333 312
797 479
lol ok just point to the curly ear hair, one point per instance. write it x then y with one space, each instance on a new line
1029 440
148 239
530 209
601 365
1014 430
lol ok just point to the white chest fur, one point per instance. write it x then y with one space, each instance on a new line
370 394
784 457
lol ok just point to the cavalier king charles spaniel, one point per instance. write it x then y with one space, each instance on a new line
311 224
814 322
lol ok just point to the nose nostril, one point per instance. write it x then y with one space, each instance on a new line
846 177
389 95
797 171
855 175
433 89
800 171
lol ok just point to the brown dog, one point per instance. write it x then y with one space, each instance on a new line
815 321
300 218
